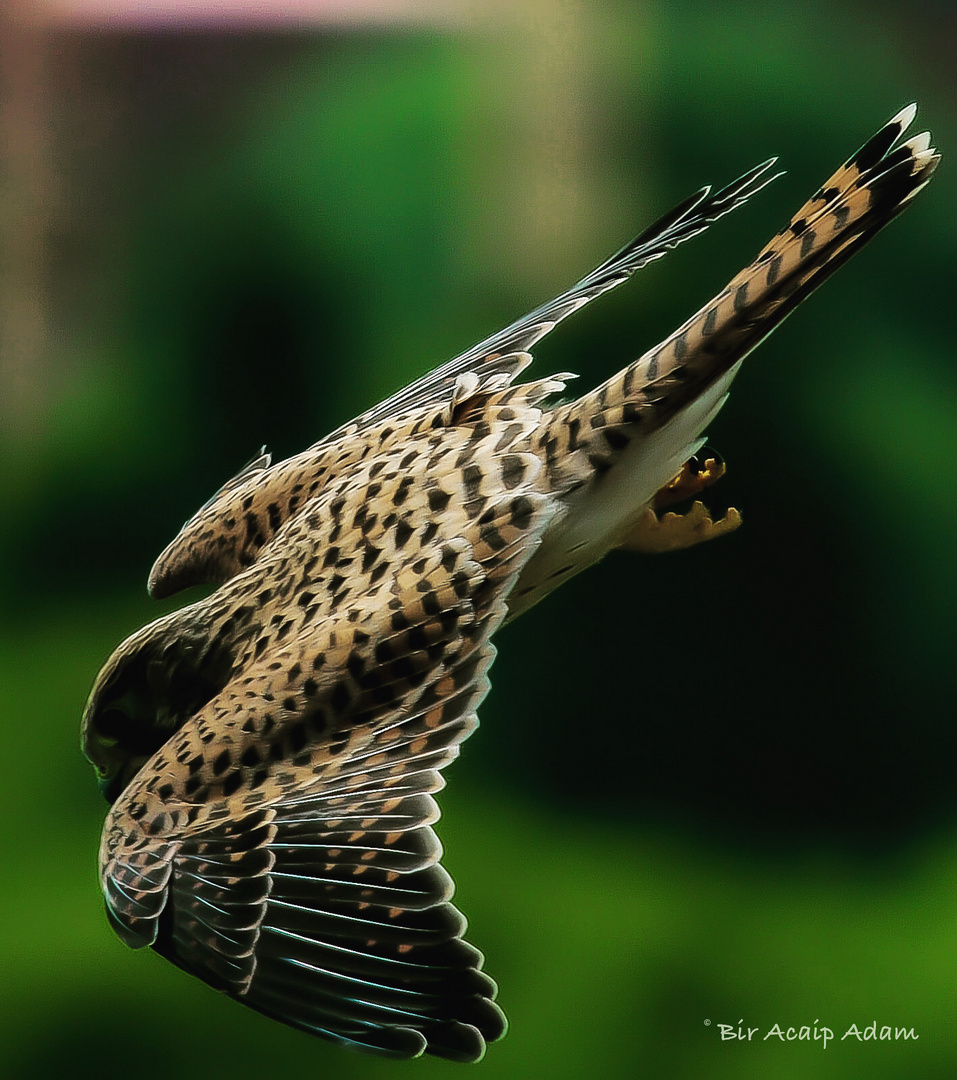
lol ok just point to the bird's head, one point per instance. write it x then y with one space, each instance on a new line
151 685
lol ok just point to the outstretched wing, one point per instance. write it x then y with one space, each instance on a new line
504 354
280 845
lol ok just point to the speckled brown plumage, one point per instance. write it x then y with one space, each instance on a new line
273 750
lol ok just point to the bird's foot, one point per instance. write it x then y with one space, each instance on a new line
694 477
652 535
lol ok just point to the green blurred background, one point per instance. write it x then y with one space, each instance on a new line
708 788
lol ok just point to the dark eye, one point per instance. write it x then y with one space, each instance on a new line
111 723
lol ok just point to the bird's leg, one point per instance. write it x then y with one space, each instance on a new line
651 534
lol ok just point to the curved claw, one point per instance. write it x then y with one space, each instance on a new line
652 535
694 477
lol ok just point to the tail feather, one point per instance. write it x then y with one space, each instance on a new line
610 451
863 196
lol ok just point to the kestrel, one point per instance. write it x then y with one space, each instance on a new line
272 751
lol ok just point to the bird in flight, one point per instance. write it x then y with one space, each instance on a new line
272 751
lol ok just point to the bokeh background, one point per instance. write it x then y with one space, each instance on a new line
713 787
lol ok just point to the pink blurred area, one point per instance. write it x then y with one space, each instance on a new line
223 13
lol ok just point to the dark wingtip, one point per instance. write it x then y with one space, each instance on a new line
689 218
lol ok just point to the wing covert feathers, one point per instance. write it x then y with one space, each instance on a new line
280 845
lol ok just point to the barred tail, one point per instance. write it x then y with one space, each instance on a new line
861 198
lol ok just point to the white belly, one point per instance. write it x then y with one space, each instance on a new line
600 514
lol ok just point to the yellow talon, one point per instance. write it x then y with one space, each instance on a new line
651 535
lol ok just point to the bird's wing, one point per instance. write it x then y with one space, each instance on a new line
230 528
280 847
496 360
